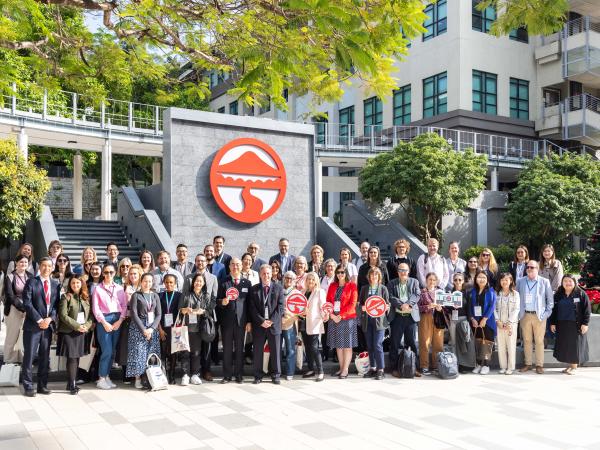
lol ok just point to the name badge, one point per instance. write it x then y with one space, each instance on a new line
529 302
477 311
168 320
81 318
244 289
455 314
193 318
150 318
266 313
336 307
576 299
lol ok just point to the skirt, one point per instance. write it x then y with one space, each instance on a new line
342 334
138 350
72 345
570 347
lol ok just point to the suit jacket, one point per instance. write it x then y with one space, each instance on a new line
236 311
224 259
413 292
218 270
290 262
34 302
211 284
274 303
187 268
542 293
68 309
257 263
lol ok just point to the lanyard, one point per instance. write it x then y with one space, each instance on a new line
531 288
148 302
169 302
111 292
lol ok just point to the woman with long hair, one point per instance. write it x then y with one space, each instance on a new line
518 266
487 263
14 310
146 261
88 255
346 262
55 248
62 271
25 249
122 271
481 315
550 267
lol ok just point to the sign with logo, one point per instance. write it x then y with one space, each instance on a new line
375 306
248 180
232 293
296 303
453 299
327 308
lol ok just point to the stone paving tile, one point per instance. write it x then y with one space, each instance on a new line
446 421
233 421
16 431
155 427
28 415
321 430
114 418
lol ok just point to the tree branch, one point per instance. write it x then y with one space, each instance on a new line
83 4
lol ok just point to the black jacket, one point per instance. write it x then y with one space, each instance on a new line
362 279
275 303
34 302
583 308
10 293
174 309
392 267
236 311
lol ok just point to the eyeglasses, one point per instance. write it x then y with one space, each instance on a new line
531 267
109 272
472 262
340 273
403 270
62 260
125 266
485 254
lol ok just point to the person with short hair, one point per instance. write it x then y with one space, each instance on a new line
163 259
480 313
401 251
122 271
430 262
316 260
182 265
170 300
550 267
285 259
247 272
454 262
346 262
112 253
300 270
364 254
220 255
14 310
430 336
508 305
254 249
212 265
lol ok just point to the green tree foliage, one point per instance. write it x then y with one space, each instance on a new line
23 188
554 199
428 178
538 16
590 272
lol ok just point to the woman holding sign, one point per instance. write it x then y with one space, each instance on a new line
311 324
481 315
342 334
288 325
429 335
375 303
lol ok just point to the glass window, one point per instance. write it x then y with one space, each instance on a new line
483 20
435 95
373 115
402 105
520 34
346 124
436 21
484 92
267 106
519 99
221 110
233 108
320 126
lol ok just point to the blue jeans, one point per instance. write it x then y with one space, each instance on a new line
289 339
108 343
375 345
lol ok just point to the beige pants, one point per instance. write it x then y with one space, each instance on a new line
533 330
429 336
14 324
507 347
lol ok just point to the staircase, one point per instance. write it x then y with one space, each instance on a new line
75 235
384 252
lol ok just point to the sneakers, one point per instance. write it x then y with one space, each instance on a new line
425 372
110 383
138 383
477 369
289 378
485 370
185 380
195 380
103 384
508 372
502 371
320 377
379 375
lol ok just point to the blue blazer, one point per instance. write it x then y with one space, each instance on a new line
489 306
218 270
34 302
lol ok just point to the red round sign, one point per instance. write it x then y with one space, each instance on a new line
296 303
232 293
327 308
248 180
375 306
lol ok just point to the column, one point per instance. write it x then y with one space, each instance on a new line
23 142
156 172
482 225
105 181
494 179
318 188
77 186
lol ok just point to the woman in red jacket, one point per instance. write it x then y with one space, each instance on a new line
341 332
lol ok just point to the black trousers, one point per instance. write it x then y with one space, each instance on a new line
402 327
169 358
214 348
232 336
199 355
313 355
36 343
259 337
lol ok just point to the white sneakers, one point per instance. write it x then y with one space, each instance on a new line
195 380
185 380
103 384
289 378
477 369
485 370
110 383
138 383
508 372
502 371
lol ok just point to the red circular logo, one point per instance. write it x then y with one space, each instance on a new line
232 293
327 308
296 303
375 306
248 180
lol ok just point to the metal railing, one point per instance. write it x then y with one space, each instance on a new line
581 59
579 127
580 25
82 110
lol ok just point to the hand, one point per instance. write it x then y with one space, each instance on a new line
553 328
584 329
107 327
82 329
438 308
325 316
248 327
265 324
43 325
117 324
148 333
364 308
432 306
200 311
162 335
405 307
225 301
482 322
186 310
335 318
474 322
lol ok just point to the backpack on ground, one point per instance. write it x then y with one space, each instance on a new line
407 363
447 365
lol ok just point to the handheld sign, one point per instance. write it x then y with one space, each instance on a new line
296 303
457 299
375 306
453 299
232 294
327 308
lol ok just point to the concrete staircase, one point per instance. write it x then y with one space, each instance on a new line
75 235
357 239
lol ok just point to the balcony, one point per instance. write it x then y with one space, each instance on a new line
580 44
580 118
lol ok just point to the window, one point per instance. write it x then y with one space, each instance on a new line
346 124
320 127
373 114
286 94
221 110
436 20
402 106
551 96
519 99
212 81
233 108
485 92
520 34
266 108
435 95
483 20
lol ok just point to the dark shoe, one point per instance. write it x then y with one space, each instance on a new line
44 391
379 375
226 380
207 376
320 377
418 374
539 370
395 373
309 374
276 380
239 380
369 374
336 374
257 381
29 393
342 377
525 369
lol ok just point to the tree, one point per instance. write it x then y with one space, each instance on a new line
590 273
537 16
428 178
23 188
555 198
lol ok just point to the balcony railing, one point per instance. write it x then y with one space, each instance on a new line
581 118
580 43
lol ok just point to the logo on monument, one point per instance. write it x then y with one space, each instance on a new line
248 180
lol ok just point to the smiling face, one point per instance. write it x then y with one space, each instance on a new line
432 246
246 263
218 243
284 247
75 285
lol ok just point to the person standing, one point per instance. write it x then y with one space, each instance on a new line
247 272
122 271
266 312
146 261
346 262
311 326
254 249
14 310
430 336
454 262
328 278
212 265
210 281
27 250
432 262
112 253
170 300
537 301
461 337
182 265
373 262
218 270
401 250
487 263
55 248
300 270
284 258
316 261
518 266
220 256
289 322
364 254
481 315
508 304
164 267
41 295
550 267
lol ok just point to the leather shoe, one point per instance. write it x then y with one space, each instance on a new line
539 370
395 373
276 380
257 381
29 393
226 380
239 380
44 391
207 376
525 369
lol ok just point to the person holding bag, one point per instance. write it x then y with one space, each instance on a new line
169 305
311 324
143 332
481 316
508 305
14 310
74 322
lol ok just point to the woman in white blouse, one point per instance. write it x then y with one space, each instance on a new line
247 271
312 325
506 314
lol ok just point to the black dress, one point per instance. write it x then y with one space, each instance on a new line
566 348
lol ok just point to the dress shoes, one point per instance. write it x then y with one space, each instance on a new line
257 381
29 393
239 380
226 380
276 380
44 391
207 376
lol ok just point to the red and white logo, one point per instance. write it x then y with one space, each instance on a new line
248 180
375 306
296 303
232 293
327 308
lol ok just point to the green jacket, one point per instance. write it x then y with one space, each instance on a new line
68 308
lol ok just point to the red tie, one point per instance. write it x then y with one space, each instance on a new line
47 292
236 281
266 291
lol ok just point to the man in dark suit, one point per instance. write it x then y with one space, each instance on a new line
285 260
40 299
266 312
253 249
232 315
220 255
182 265
112 253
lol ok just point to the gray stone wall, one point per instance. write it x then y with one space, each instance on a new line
60 198
191 214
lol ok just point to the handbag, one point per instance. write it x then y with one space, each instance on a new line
439 320
9 375
155 374
207 328
180 338
299 354
483 346
362 363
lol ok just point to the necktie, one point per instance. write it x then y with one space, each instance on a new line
266 292
236 281
47 292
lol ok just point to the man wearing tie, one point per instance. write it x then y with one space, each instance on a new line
266 312
285 260
41 295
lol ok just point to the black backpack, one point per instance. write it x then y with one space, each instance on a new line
407 363
447 365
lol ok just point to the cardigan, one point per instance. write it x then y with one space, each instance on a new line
583 307
381 323
488 310
348 299
314 312
69 307
140 309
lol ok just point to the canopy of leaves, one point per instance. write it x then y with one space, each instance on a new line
428 178
537 16
23 188
554 199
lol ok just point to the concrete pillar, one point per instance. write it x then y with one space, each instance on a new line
77 186
482 225
156 172
106 181
318 188
23 142
494 179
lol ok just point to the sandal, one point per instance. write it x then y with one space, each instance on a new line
568 371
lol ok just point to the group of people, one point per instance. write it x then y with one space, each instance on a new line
124 312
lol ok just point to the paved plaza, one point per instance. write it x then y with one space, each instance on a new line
551 411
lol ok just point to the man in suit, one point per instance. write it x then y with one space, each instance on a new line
266 312
112 253
182 265
253 249
232 315
40 300
285 260
220 255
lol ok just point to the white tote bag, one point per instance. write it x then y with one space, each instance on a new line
266 356
180 339
85 362
362 363
156 376
9 375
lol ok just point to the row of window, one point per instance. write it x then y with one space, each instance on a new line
483 20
